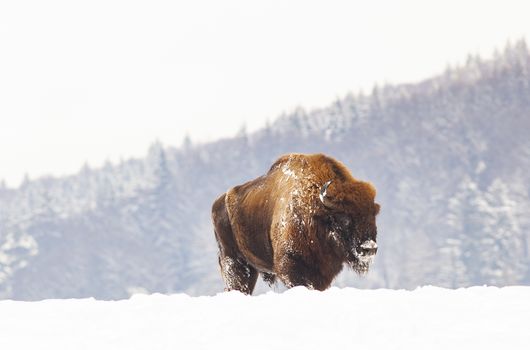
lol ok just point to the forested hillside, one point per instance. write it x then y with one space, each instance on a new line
450 157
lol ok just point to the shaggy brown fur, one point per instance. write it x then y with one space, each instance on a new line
279 226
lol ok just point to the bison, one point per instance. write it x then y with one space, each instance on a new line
299 223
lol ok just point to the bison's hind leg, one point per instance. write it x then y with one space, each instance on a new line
238 274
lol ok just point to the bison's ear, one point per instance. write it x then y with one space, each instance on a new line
377 208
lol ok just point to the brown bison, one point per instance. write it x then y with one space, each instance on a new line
300 223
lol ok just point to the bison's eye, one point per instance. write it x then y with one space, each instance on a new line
340 222
344 221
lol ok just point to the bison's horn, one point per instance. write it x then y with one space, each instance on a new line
323 192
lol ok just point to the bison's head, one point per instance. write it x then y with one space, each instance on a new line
350 221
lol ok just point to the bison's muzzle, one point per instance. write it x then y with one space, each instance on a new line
369 247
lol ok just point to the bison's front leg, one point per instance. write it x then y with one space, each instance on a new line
238 274
295 271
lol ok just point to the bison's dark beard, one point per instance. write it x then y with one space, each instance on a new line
359 263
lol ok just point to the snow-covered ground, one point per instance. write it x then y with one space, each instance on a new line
426 318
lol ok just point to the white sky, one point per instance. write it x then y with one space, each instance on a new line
86 81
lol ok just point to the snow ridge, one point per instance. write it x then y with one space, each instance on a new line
428 317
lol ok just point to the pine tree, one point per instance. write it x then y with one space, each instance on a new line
487 239
502 244
161 212
464 220
161 195
186 143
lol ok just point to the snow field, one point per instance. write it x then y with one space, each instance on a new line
426 318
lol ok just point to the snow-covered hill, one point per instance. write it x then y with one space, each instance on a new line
450 157
426 318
